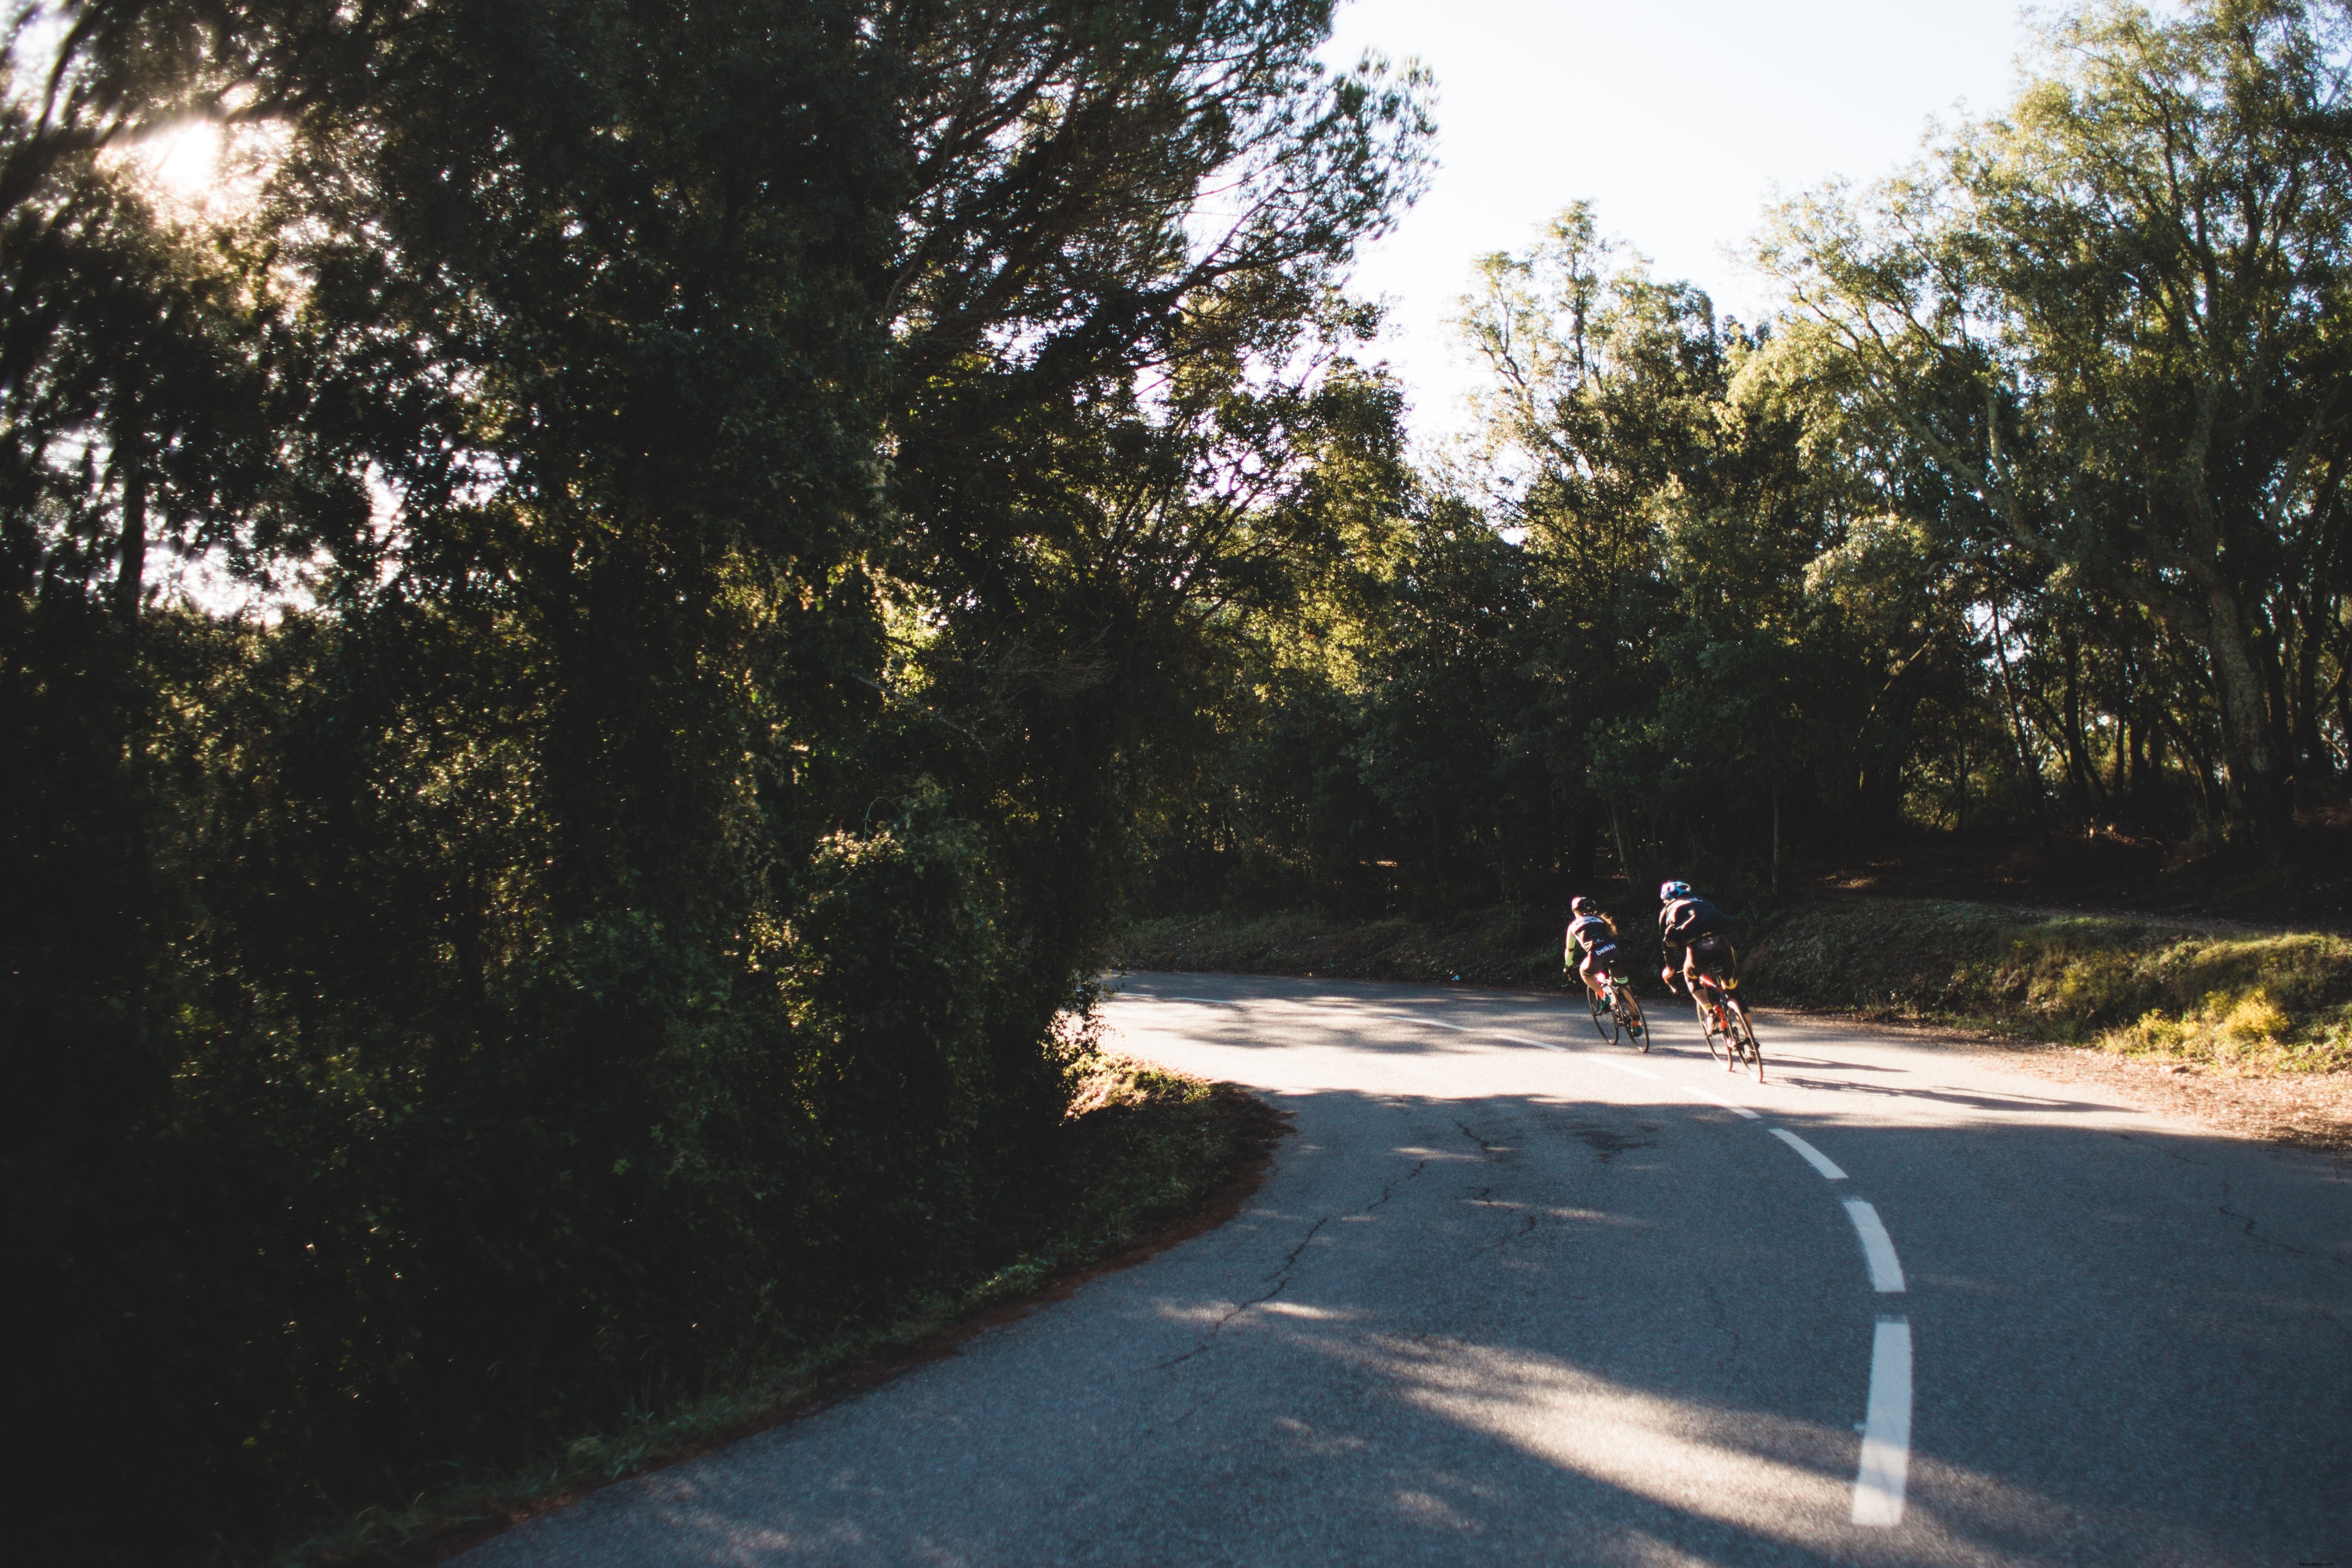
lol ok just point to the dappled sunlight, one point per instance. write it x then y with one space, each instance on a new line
1786 1480
1780 1476
202 170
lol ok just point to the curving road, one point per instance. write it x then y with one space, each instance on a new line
1513 1296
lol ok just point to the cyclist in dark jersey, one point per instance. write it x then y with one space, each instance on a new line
1694 937
1591 944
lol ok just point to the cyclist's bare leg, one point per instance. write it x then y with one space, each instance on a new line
1706 988
1597 986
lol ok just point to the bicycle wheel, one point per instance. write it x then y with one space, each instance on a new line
1637 1027
1603 1019
1745 1037
1717 1046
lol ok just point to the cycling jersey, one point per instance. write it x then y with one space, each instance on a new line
1685 920
1692 933
1593 935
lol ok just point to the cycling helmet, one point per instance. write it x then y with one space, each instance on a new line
1669 892
1579 905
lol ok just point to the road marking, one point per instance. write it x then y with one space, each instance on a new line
1886 1430
1877 1248
1885 1472
1820 1162
1417 1018
1205 1001
1731 1105
1622 1067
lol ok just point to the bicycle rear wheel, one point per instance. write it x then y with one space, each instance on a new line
1603 1019
1744 1037
1637 1027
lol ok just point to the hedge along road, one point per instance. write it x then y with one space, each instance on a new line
1512 1295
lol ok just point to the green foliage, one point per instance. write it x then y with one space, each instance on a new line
748 499
1642 618
1480 948
1139 1149
2028 514
2088 346
2258 1003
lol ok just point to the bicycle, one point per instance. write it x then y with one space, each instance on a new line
1723 1018
1616 1012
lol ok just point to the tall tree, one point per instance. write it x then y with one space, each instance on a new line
2108 320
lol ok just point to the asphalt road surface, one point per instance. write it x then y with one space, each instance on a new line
1511 1295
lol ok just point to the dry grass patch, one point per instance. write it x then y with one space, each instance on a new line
2254 1004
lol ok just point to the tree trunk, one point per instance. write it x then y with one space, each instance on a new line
2078 752
2026 764
129 583
2251 756
1617 834
1960 801
2313 775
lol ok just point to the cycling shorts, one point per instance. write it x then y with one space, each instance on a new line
1713 955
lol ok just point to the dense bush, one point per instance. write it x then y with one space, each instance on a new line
713 526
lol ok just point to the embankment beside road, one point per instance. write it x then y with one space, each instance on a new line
2256 1004
1145 1156
1485 947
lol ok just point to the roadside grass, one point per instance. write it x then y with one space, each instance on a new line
2251 1004
1145 1156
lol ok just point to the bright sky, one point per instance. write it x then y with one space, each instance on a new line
1679 120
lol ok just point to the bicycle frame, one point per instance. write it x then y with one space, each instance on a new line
1718 999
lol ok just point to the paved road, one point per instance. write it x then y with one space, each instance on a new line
1512 1296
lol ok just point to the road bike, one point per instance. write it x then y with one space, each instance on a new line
1730 1038
1616 1014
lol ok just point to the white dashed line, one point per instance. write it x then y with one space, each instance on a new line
1416 1018
1815 1158
1625 1067
1886 1430
1878 1250
1879 1485
1733 1106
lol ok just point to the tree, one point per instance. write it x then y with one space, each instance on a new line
2105 323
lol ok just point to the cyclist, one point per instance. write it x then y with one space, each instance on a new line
1593 935
1690 926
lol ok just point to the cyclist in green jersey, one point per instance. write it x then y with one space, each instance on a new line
1591 949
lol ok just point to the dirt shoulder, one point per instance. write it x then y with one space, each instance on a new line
2310 1109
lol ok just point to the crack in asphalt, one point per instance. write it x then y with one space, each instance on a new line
1282 1278
2287 1248
1527 1227
1281 1274
1483 1144
1388 1189
1193 1410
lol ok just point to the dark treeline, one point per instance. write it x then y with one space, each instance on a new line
748 488
2027 515
777 521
